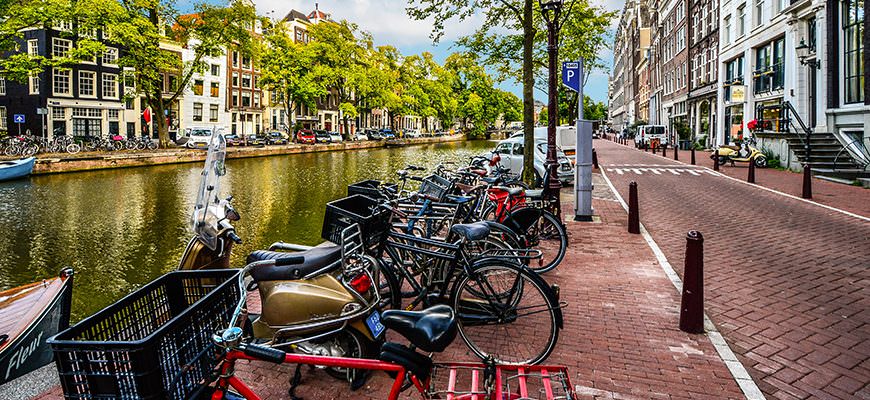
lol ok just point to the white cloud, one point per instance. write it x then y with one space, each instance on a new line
386 20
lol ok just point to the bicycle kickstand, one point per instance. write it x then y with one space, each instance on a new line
294 382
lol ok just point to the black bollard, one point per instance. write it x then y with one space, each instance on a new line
715 163
654 148
807 192
633 218
692 304
646 147
693 155
677 153
594 159
665 150
751 177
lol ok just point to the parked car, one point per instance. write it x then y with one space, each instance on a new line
305 136
321 136
412 133
372 134
233 140
511 153
254 140
335 137
198 137
359 135
276 137
387 133
646 134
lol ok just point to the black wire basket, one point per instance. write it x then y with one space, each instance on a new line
155 343
373 220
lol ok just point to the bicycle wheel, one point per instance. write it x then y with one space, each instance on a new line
539 229
506 312
73 148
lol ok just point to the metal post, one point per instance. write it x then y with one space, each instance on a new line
584 159
594 159
715 162
633 217
807 192
693 155
692 304
751 177
677 153
553 107
665 150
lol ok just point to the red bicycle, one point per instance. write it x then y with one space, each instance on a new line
430 330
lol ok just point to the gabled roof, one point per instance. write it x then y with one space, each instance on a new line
296 15
317 14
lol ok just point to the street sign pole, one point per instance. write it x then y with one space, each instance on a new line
583 166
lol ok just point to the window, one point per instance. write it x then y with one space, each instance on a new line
853 50
741 20
235 79
110 57
197 111
811 34
61 82
213 113
197 87
762 69
112 115
257 99
759 12
33 47
86 83
173 83
58 113
2 86
246 62
2 117
110 86
681 39
246 99
726 34
235 102
215 70
60 47
33 84
246 80
63 25
778 66
215 89
235 59
779 5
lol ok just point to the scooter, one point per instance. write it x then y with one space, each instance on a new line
326 305
746 152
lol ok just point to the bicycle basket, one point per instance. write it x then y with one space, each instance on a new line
374 221
155 343
436 186
370 188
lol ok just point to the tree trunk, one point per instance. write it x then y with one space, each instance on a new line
346 128
528 96
158 115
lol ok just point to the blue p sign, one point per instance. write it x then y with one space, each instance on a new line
571 75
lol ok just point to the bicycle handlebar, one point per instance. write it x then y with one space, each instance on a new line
265 353
412 167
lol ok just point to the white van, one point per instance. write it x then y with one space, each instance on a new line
566 138
646 134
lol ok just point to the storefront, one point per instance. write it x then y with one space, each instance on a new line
734 102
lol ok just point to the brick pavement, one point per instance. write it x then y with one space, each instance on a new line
786 281
620 338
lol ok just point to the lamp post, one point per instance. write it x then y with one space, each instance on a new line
814 64
551 10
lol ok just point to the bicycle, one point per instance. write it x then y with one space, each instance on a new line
430 330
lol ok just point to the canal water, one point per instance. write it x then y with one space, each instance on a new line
120 229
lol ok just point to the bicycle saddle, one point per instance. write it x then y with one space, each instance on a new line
513 191
432 329
490 180
473 231
535 193
315 259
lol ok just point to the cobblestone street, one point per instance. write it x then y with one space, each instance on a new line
785 280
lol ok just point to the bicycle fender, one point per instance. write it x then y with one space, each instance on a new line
520 220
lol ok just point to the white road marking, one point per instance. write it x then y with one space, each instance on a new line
637 171
693 172
655 171
673 171
738 371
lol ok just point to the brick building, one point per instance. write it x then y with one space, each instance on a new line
703 72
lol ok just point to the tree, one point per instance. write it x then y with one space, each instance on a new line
543 116
480 103
594 110
340 63
17 16
512 107
286 71
145 28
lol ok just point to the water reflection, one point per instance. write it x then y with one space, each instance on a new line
122 228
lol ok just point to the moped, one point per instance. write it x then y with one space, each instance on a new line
745 152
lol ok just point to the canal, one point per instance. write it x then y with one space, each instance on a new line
119 229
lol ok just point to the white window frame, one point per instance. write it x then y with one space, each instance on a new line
2 86
56 73
103 87
33 47
63 25
758 13
197 117
110 61
3 116
726 34
93 84
57 45
213 112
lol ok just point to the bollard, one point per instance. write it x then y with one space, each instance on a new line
594 159
693 155
692 304
665 150
677 153
715 163
646 147
654 148
751 177
633 218
807 192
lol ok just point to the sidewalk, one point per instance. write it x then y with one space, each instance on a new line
621 338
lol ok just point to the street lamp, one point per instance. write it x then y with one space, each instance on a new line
551 10
804 48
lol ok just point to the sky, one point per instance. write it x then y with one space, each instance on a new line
389 24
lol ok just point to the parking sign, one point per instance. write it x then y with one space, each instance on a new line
571 75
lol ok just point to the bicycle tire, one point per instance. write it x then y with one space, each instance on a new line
504 335
73 148
529 223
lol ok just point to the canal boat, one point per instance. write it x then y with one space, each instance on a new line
16 168
29 315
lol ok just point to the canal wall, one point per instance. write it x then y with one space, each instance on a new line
52 164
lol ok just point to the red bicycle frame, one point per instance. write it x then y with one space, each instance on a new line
505 203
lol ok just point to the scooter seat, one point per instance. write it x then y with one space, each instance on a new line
315 259
735 148
472 231
535 193
432 329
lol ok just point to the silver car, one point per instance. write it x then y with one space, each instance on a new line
511 153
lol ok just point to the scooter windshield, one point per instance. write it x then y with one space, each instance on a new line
209 208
